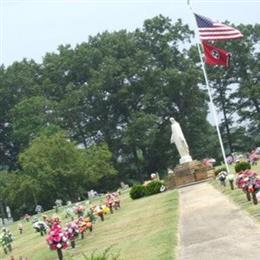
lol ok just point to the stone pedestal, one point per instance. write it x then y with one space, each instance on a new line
185 159
170 182
186 173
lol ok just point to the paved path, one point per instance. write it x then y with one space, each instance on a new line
213 228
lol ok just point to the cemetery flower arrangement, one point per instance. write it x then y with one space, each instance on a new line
79 210
245 178
116 199
57 239
99 212
105 209
248 181
90 214
72 230
48 220
109 200
222 176
110 203
6 239
27 217
20 228
84 224
40 227
69 213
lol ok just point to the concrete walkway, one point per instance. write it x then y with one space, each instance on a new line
213 228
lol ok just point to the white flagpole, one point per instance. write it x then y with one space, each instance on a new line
1 30
213 109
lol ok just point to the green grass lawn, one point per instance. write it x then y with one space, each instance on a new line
142 229
239 197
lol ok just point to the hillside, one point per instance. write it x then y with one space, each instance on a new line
141 229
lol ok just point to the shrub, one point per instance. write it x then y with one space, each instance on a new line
242 166
137 191
153 188
217 171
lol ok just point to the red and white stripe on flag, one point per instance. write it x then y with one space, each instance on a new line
215 31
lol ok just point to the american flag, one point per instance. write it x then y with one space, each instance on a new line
215 31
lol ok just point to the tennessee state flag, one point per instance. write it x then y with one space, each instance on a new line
215 56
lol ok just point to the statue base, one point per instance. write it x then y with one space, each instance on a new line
185 159
186 173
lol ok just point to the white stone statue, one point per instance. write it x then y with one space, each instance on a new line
180 142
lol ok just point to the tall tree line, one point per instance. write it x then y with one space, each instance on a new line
237 91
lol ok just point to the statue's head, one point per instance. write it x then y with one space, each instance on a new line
172 120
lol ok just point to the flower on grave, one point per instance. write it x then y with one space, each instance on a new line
109 201
105 209
91 215
69 212
98 210
57 238
6 238
163 188
246 178
230 177
79 210
258 196
84 224
71 230
40 226
27 217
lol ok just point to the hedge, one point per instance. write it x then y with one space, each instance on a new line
242 166
139 190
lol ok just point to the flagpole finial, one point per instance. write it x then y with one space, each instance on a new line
189 5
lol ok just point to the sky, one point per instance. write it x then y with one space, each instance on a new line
30 28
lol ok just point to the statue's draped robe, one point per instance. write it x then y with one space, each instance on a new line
179 140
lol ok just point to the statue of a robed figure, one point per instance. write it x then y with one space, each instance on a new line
178 139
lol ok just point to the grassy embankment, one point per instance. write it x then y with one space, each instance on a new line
142 229
239 197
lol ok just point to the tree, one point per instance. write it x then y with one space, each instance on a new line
53 167
248 93
236 89
120 82
121 88
19 80
29 117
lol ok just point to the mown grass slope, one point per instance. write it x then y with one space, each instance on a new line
142 229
